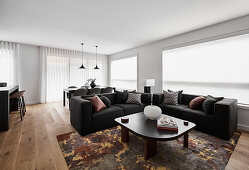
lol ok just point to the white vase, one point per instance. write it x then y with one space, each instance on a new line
152 112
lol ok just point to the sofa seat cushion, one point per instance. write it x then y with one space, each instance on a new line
203 121
131 108
198 114
105 118
112 111
172 110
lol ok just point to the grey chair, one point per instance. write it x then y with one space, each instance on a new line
80 92
72 87
107 90
94 91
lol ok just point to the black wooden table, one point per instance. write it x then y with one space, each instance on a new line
5 92
68 91
147 129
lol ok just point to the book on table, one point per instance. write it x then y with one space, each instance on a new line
167 123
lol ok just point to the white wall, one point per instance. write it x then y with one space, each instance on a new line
29 72
150 55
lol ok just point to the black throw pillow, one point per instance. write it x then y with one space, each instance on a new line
216 98
121 97
179 100
106 101
208 105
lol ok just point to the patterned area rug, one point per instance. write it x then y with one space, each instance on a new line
104 150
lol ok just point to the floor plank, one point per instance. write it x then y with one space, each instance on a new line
32 143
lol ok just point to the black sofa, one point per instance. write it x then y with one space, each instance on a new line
222 123
85 121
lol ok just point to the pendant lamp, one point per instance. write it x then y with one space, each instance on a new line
96 67
82 66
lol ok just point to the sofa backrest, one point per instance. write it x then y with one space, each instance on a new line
145 97
110 96
186 98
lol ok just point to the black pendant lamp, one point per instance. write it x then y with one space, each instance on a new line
96 67
82 66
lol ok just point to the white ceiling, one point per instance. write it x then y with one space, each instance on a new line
114 25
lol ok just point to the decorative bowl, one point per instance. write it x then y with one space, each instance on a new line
152 112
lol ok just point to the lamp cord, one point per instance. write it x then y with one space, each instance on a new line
96 54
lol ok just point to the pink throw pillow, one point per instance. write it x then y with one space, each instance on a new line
196 102
96 103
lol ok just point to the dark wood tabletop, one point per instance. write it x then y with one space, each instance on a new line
146 128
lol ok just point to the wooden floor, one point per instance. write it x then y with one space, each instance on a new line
32 143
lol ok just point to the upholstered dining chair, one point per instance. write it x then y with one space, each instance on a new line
107 90
72 87
80 92
94 91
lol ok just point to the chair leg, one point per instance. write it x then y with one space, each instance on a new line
21 108
24 106
11 103
19 103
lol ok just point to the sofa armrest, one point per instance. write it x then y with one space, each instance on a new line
157 98
80 115
226 116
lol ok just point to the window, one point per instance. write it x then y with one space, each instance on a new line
62 70
8 62
124 73
218 68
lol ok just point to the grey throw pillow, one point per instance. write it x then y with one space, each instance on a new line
134 98
170 98
179 95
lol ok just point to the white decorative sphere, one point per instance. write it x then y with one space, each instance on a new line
152 112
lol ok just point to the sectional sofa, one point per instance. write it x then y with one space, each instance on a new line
85 121
222 123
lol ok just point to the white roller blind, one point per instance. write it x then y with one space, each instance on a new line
124 73
218 68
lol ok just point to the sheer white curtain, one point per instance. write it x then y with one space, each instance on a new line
100 74
78 77
60 69
124 73
9 62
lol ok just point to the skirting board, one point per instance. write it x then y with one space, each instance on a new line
243 127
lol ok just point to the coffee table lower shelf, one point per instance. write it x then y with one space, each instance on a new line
150 145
